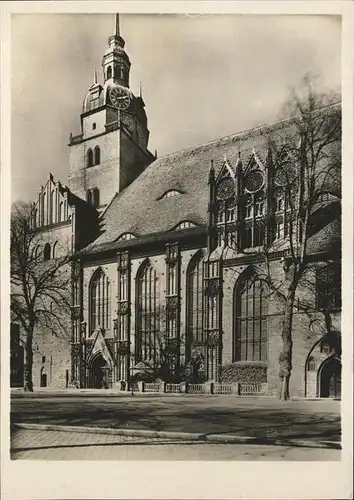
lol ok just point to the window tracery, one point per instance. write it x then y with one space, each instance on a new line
100 301
148 314
250 320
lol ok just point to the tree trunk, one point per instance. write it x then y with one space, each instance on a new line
285 358
27 373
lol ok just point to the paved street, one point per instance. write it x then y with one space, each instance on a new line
54 445
259 417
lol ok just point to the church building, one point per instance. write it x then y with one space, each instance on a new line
167 254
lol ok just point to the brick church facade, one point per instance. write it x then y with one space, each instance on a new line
167 251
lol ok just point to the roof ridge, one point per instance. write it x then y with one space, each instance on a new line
243 133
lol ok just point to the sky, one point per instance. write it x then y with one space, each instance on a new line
203 77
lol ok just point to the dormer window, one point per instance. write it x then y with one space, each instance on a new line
170 193
126 237
185 225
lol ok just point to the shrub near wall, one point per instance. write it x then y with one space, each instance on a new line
246 372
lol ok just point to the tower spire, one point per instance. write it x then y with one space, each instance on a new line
117 29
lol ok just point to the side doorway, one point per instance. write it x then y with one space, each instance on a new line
330 379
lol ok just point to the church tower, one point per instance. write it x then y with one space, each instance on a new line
112 149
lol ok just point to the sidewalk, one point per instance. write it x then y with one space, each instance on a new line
55 445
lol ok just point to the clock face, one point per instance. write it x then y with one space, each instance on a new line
254 181
226 189
120 98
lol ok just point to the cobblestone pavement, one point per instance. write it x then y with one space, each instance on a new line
57 445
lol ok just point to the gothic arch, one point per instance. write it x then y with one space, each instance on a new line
99 300
89 158
249 339
97 155
47 252
95 198
147 311
329 377
194 299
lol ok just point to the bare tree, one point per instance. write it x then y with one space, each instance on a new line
40 285
307 163
305 157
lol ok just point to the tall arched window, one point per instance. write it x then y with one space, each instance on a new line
109 72
52 207
250 320
96 198
44 210
195 299
97 155
46 252
89 158
100 301
61 211
148 318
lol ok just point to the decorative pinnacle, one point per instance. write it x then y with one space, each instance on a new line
140 90
117 30
95 77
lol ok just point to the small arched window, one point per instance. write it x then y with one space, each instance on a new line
109 72
96 198
97 155
89 158
46 252
89 197
94 126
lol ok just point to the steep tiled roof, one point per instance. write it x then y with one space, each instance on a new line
139 210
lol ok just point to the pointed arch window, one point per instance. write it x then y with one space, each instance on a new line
100 301
254 228
89 197
96 198
109 72
52 207
46 252
97 155
89 158
250 320
44 210
148 318
195 299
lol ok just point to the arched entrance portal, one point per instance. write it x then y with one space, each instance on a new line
99 373
330 378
